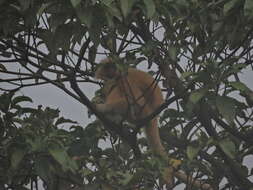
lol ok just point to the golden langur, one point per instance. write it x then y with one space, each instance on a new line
134 94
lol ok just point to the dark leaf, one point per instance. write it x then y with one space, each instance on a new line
228 147
227 107
16 157
19 99
62 120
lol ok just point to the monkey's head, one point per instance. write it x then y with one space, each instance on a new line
107 70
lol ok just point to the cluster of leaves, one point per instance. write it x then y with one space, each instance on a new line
31 144
34 146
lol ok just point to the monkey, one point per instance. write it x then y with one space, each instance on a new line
135 94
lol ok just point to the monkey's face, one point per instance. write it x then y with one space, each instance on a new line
106 71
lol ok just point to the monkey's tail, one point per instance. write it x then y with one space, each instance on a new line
153 136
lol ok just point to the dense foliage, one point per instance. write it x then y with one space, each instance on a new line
198 48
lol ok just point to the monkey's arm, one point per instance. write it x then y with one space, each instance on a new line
119 106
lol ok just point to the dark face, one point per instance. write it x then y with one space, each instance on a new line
107 71
110 70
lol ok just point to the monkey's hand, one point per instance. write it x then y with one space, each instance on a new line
97 99
101 108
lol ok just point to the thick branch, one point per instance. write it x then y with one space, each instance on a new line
205 119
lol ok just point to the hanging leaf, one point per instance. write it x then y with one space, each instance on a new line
75 3
229 6
192 151
85 16
42 168
126 6
227 107
16 157
150 6
248 8
25 4
107 2
43 7
228 147
112 11
197 95
239 86
127 178
61 156
173 53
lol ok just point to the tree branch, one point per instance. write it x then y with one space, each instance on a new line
204 116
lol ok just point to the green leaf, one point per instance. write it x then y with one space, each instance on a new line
192 151
42 168
229 6
185 75
228 147
172 114
85 16
43 7
248 8
150 6
197 95
227 107
63 35
62 120
126 6
19 99
47 37
28 110
111 11
173 53
16 157
127 178
239 86
5 100
107 2
61 156
25 4
75 3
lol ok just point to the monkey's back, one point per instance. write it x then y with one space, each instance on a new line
148 85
